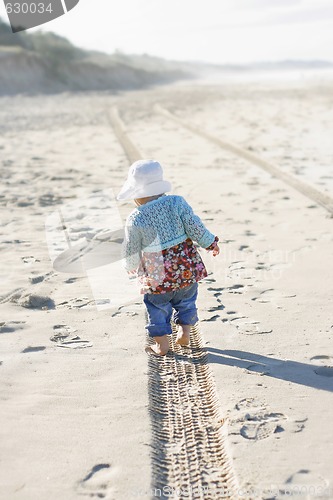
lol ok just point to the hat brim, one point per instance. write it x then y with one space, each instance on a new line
129 192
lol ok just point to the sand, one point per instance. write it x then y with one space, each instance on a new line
81 410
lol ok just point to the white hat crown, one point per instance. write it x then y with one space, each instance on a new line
145 178
146 170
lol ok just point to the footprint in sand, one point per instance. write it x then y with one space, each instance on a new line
39 278
304 484
98 482
132 310
209 280
324 371
36 348
254 329
29 300
62 332
260 368
245 326
220 307
258 431
75 343
72 280
26 202
29 259
262 426
79 302
322 360
217 293
272 296
65 337
248 232
34 301
236 270
256 422
247 404
210 318
235 289
36 279
11 326
49 199
265 296
324 365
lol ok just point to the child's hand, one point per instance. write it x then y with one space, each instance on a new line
132 274
216 251
214 247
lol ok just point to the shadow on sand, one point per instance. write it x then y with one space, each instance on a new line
317 376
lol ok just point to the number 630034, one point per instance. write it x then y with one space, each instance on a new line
25 8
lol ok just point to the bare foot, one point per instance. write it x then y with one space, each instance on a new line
160 348
183 338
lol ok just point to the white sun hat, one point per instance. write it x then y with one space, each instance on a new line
145 178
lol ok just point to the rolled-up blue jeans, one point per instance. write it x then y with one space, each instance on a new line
160 309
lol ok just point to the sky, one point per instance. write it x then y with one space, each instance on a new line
216 31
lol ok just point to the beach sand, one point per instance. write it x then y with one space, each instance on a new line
78 390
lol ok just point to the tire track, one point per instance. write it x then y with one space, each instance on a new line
12 295
128 146
189 449
189 436
309 191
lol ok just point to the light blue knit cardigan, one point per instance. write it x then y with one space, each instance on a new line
160 224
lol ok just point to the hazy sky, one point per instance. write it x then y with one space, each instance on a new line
212 30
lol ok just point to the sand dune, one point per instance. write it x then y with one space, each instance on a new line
42 62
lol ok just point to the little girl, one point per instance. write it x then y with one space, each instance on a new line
159 249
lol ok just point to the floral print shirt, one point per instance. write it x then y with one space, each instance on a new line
172 268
